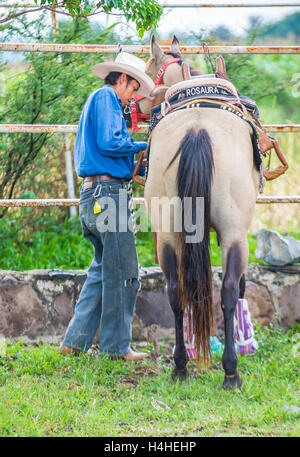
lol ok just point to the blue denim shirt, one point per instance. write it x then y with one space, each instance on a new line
103 144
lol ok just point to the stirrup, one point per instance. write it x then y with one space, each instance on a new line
139 180
267 143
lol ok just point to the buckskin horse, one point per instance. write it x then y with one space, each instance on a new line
201 152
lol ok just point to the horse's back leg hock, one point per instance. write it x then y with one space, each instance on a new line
235 259
169 266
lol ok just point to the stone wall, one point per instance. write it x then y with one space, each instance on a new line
37 305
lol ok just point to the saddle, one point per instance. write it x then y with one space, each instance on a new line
217 88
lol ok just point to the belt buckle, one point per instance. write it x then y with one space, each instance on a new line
97 191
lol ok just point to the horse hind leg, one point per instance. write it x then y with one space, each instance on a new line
168 262
235 259
242 286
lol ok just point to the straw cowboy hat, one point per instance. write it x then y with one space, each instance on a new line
130 65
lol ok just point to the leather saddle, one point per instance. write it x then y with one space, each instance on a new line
218 87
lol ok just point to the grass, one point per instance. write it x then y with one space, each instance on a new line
45 394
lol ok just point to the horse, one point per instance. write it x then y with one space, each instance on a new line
207 153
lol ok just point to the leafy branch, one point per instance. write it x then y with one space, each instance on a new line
144 13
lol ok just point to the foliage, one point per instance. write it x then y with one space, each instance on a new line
144 13
48 88
35 238
286 28
45 394
267 79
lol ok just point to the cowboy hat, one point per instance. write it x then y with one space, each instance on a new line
130 65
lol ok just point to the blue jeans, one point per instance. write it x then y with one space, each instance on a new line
108 296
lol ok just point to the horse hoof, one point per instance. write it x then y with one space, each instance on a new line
182 375
233 381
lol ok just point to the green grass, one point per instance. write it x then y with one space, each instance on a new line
45 394
47 242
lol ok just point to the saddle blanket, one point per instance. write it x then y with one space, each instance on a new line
215 88
206 86
157 115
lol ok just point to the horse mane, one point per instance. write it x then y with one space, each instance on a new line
177 55
195 72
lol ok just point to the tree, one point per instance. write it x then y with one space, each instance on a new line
222 33
289 25
144 13
46 88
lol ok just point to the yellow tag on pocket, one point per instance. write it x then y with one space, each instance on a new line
97 208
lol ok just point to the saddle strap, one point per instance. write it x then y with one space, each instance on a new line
135 175
155 246
142 181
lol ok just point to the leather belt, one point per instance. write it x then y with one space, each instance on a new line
89 180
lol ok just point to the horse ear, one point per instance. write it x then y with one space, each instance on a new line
155 49
175 45
158 90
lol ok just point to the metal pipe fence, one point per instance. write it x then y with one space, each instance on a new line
228 5
111 49
30 128
20 202
73 202
144 49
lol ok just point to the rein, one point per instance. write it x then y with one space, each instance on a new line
135 114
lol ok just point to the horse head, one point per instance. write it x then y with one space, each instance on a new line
165 68
166 64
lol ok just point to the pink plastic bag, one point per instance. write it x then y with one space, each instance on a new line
243 333
243 329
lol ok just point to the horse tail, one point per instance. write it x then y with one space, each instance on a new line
194 177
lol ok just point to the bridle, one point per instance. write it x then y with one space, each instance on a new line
136 115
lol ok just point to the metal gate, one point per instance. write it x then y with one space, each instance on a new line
109 49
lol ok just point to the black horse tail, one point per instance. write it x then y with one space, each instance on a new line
194 177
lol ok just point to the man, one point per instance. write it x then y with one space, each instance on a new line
104 154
